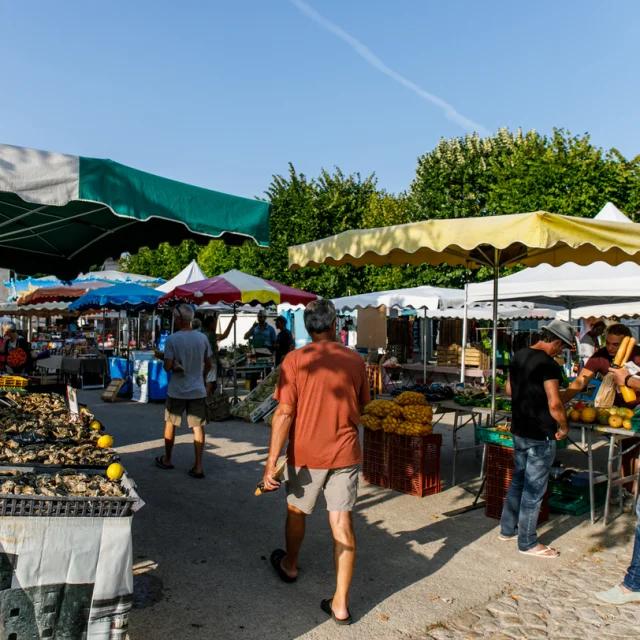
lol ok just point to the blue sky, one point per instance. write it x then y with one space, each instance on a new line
224 93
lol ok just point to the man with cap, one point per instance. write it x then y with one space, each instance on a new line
263 334
539 420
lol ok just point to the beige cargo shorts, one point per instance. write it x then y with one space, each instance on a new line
196 410
304 486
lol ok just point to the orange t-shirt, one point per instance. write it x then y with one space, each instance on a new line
326 383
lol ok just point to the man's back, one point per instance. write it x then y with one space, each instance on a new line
327 383
530 369
189 349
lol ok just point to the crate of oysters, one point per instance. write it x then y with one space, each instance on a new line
88 493
38 429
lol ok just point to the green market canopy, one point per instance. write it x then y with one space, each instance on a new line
62 214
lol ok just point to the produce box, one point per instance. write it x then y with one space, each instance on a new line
505 438
415 464
244 409
85 506
567 498
376 457
263 409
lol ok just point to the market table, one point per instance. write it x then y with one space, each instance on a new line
81 366
483 374
52 363
613 478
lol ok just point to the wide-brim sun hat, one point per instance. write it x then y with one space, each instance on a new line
563 331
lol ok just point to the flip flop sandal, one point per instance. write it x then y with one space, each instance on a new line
161 464
193 474
325 605
540 554
276 559
507 538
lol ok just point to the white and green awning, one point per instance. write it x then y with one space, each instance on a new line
62 214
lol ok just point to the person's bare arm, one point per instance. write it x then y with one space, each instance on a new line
556 408
620 377
168 364
280 427
508 388
250 332
227 331
577 386
207 366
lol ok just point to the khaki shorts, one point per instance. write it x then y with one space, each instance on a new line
304 486
196 411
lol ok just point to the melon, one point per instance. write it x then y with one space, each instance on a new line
603 416
626 424
615 421
588 415
574 415
625 413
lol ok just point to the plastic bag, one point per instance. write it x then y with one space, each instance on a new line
606 397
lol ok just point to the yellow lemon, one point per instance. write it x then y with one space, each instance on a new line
95 424
105 442
115 471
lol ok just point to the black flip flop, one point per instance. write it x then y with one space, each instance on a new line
325 605
276 559
161 464
193 474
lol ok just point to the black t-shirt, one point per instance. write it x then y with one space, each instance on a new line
530 369
283 344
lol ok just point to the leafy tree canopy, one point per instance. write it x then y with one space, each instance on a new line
510 172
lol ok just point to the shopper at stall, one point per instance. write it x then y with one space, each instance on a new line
601 362
263 334
13 340
538 422
187 355
209 329
590 341
284 341
322 390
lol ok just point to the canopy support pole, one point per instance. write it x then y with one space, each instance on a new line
465 321
494 346
153 328
424 349
138 340
235 346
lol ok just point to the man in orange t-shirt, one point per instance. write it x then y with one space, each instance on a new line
322 390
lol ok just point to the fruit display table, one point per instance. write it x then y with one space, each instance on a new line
472 416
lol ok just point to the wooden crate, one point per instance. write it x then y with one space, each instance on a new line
111 392
451 356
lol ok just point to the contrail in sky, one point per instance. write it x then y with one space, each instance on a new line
366 53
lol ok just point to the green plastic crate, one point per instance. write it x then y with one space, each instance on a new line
635 421
565 498
505 439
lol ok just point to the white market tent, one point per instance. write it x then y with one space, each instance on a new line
191 273
505 312
569 285
116 277
411 298
620 310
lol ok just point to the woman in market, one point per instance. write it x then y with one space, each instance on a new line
209 330
13 340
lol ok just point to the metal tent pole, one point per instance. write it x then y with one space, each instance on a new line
494 346
424 349
235 346
153 328
138 340
465 321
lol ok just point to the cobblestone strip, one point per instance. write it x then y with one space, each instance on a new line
558 606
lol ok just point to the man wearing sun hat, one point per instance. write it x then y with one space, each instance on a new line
539 420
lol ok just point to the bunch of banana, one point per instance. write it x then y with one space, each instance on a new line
417 413
371 422
407 398
383 408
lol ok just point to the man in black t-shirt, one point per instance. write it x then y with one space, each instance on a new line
284 341
539 420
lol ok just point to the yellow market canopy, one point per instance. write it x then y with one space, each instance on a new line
524 238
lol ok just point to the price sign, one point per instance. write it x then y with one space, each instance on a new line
72 400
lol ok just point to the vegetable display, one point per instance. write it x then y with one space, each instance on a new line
409 414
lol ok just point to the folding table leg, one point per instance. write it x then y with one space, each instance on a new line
455 447
612 445
592 502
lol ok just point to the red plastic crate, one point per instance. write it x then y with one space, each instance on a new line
500 466
415 464
375 457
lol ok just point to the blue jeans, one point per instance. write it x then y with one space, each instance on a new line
632 579
533 460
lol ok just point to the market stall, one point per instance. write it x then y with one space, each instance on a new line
496 241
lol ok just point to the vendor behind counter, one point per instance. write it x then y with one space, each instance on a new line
600 362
